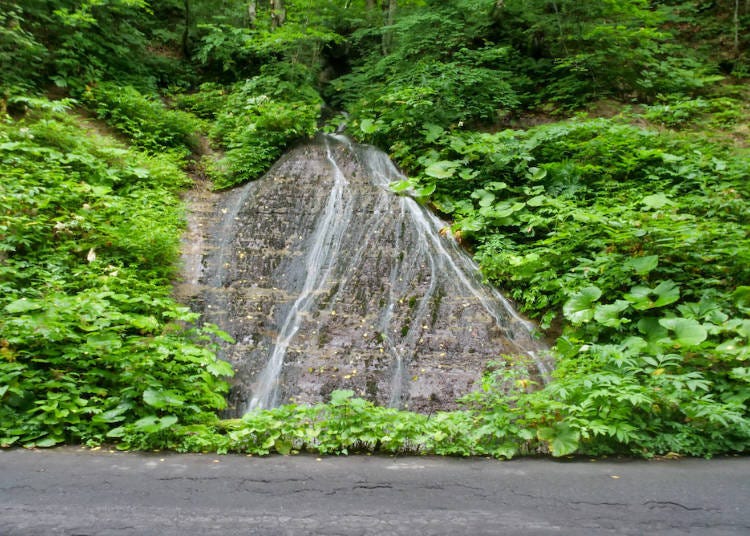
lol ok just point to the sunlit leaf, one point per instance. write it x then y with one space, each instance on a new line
687 332
442 169
432 132
368 126
426 190
400 186
162 398
23 305
152 424
656 201
741 297
609 314
495 186
561 438
104 341
341 396
579 308
643 298
642 265
536 174
654 332
220 368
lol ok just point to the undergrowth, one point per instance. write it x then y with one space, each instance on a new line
90 338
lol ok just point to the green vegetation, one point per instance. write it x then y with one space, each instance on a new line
92 343
256 121
592 154
144 121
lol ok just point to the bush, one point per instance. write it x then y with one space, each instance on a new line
144 120
260 119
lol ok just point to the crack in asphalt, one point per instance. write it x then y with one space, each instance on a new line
189 478
598 503
373 486
18 488
668 504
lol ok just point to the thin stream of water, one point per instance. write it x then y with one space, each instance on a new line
322 251
447 255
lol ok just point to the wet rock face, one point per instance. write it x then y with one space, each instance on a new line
327 281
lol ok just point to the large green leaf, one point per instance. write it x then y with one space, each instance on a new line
503 209
741 297
220 368
21 306
687 331
426 190
580 307
443 169
143 322
104 341
654 332
741 373
536 174
471 223
656 201
643 298
341 396
113 415
153 424
642 265
495 186
485 198
162 398
609 314
368 126
401 186
432 132
561 438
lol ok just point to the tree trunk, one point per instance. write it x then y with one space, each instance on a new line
278 14
736 27
252 13
186 31
497 9
390 6
560 27
371 4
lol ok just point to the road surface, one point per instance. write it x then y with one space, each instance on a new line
73 491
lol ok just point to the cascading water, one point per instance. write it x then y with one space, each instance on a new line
327 280
322 252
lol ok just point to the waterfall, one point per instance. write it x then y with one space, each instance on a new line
322 253
447 256
327 280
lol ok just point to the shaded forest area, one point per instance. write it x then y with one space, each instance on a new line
592 154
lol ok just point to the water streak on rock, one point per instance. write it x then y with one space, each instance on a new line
322 253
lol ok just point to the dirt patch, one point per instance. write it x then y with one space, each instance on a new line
201 203
95 126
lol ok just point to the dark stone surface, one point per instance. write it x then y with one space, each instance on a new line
353 287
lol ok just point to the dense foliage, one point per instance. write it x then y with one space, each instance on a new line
592 154
90 338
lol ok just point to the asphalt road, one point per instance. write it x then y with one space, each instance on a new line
77 492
